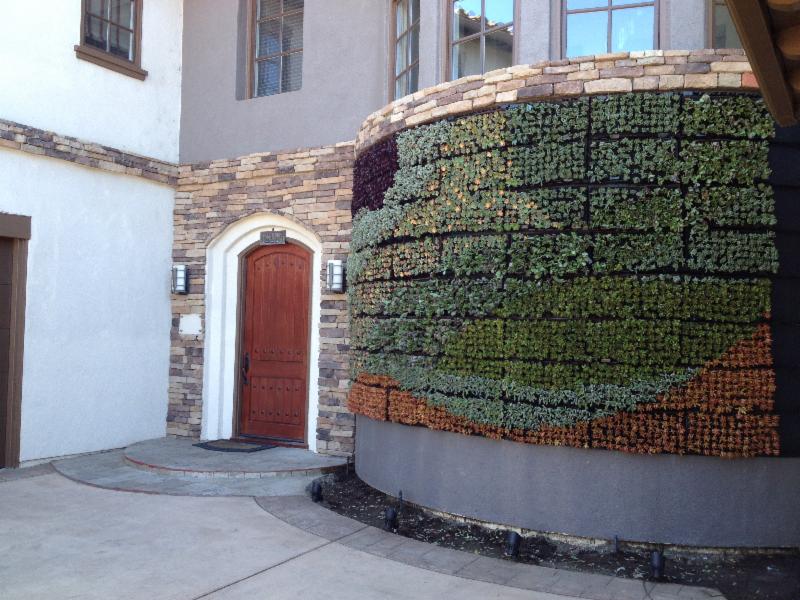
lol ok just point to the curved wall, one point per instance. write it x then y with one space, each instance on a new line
607 272
684 500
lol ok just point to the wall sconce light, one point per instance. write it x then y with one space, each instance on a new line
336 276
180 279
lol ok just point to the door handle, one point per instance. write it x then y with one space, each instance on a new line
245 368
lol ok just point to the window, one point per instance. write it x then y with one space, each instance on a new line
111 35
481 36
277 49
406 47
600 26
723 31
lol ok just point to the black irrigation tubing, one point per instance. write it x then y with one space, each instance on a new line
582 184
612 183
596 137
569 277
494 316
700 274
592 138
687 229
506 399
548 361
555 319
585 232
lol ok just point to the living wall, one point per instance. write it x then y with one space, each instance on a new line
593 272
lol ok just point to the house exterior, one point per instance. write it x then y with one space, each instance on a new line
179 183
88 158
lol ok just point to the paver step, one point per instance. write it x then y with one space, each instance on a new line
110 470
180 457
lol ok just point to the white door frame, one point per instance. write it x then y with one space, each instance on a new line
222 321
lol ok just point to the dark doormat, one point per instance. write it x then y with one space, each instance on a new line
233 446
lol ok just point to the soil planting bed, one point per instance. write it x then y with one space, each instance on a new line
764 576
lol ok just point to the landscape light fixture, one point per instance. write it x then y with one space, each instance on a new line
316 491
513 541
180 279
336 276
657 563
390 520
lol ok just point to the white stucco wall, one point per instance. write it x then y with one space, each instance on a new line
46 86
97 335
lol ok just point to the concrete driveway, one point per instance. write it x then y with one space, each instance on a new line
60 539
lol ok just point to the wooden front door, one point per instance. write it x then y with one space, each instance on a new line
275 344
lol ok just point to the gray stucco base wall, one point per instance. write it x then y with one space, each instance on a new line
669 499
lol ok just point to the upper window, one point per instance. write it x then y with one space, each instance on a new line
723 31
481 36
277 47
406 47
601 26
111 35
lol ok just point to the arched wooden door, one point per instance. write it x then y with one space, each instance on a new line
275 343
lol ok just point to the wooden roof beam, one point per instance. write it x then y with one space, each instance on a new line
753 25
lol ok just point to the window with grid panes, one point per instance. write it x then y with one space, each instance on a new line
278 47
723 31
481 36
601 26
406 47
111 34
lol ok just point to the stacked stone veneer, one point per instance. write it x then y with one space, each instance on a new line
651 70
312 187
31 140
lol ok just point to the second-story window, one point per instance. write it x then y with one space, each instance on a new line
600 26
481 36
406 47
278 47
723 31
111 35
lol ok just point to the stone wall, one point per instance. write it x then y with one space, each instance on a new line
88 154
311 186
648 70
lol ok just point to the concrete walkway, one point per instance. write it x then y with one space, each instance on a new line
177 467
198 537
60 539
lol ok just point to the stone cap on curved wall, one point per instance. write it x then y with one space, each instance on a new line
650 70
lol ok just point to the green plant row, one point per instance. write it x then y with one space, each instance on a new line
668 344
511 404
658 161
565 254
733 251
627 160
645 113
521 124
663 296
664 209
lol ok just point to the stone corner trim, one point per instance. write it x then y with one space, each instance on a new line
53 145
311 186
650 70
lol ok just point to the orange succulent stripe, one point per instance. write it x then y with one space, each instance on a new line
755 351
726 410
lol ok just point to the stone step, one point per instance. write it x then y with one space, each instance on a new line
180 457
110 470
